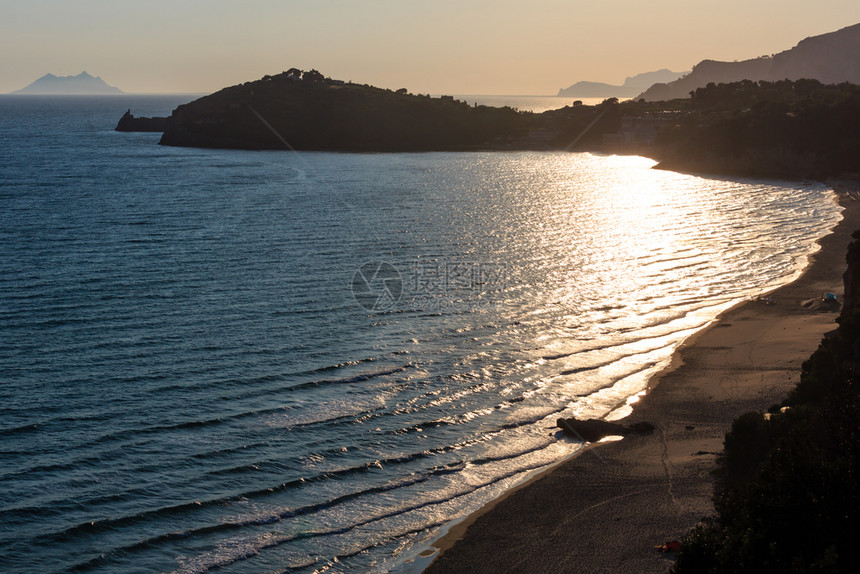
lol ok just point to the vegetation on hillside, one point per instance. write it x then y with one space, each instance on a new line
798 129
788 486
305 110
791 129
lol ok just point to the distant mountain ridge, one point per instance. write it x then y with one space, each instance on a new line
631 86
830 58
81 85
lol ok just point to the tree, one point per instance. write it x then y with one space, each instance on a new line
313 76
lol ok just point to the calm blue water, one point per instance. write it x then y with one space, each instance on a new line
270 361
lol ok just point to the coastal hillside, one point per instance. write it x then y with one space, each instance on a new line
631 86
793 129
788 129
830 58
81 85
787 496
307 111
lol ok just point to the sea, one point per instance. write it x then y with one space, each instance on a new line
277 361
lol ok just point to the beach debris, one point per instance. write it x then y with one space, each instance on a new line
827 303
592 430
670 546
770 414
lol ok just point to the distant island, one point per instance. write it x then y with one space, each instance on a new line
632 86
829 58
81 85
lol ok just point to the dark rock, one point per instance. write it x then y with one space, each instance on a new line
592 430
129 123
639 428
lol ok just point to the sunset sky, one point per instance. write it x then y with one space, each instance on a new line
438 46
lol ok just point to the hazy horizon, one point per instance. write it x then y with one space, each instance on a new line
508 48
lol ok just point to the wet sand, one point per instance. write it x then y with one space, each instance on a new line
606 509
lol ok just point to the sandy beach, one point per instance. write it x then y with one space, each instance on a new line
606 509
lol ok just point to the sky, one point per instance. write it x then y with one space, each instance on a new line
532 47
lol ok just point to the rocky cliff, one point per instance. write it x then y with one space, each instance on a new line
631 86
129 123
830 58
851 278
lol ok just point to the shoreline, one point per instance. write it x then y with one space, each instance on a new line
605 509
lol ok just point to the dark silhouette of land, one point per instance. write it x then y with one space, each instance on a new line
305 110
81 85
829 58
129 123
631 86
789 129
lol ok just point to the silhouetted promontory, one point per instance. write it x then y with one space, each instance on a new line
789 129
632 85
129 123
307 111
830 58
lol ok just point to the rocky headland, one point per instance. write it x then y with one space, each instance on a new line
632 85
830 58
786 129
307 111
129 123
301 110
